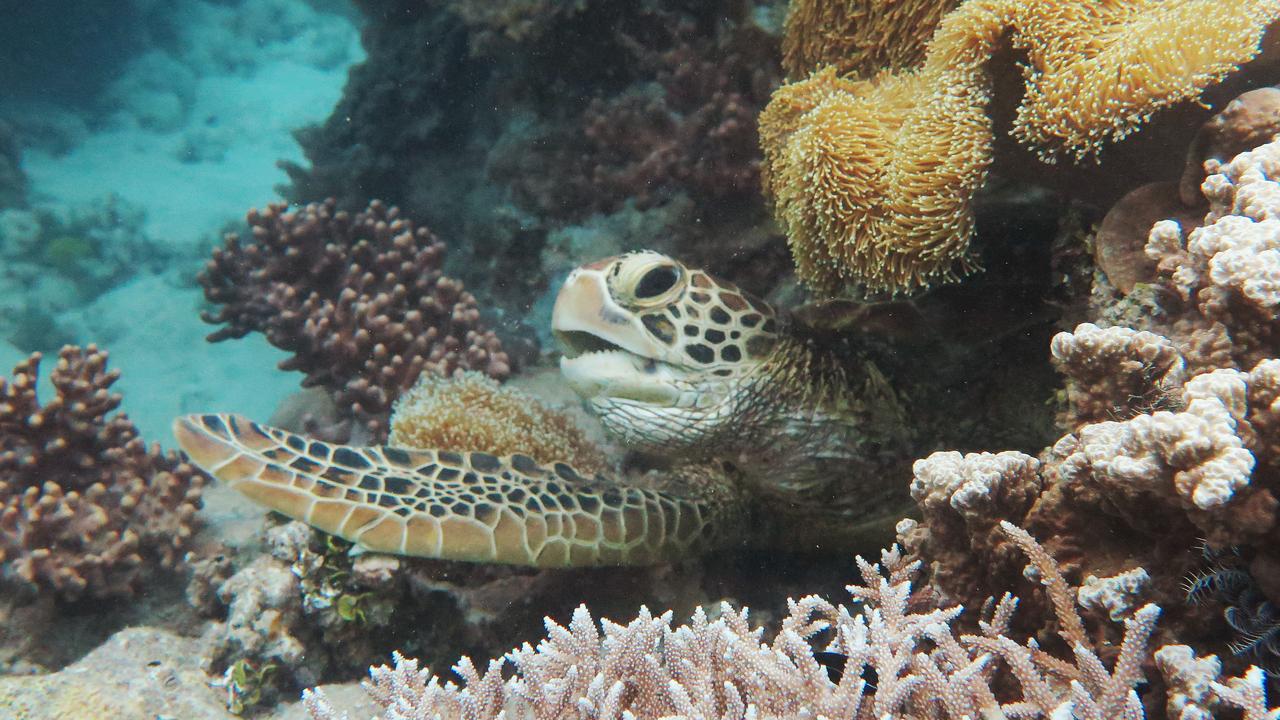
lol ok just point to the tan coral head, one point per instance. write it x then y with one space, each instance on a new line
644 328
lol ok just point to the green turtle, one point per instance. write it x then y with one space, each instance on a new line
767 432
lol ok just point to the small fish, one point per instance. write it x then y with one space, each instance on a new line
835 664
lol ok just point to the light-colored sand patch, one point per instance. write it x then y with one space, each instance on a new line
152 328
194 180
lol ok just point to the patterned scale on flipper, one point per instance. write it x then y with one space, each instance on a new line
469 506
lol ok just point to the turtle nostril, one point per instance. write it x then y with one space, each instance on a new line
650 366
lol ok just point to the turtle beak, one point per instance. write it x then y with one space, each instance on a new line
587 319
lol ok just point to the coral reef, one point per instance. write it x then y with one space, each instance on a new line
472 412
719 667
1171 436
86 508
359 300
873 179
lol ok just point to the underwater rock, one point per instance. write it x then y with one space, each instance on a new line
141 673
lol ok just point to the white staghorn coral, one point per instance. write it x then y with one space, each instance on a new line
721 669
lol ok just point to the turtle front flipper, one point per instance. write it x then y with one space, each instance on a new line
469 506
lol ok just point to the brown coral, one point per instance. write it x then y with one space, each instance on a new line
472 412
873 180
359 299
86 508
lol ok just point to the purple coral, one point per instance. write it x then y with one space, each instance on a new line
359 299
86 508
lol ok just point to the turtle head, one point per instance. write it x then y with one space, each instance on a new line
654 345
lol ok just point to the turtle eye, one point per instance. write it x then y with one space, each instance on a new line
656 281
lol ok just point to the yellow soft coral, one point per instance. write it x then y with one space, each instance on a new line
873 179
858 38
1100 69
471 412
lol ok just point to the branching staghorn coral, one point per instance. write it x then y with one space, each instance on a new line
873 179
359 299
86 508
471 411
721 668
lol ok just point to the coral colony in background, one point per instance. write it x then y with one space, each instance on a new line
993 284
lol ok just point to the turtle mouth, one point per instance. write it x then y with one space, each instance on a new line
597 369
576 343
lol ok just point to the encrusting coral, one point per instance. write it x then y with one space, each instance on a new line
86 508
719 667
471 411
1111 370
873 179
359 299
1224 276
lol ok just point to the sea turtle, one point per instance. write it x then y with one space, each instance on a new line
769 432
